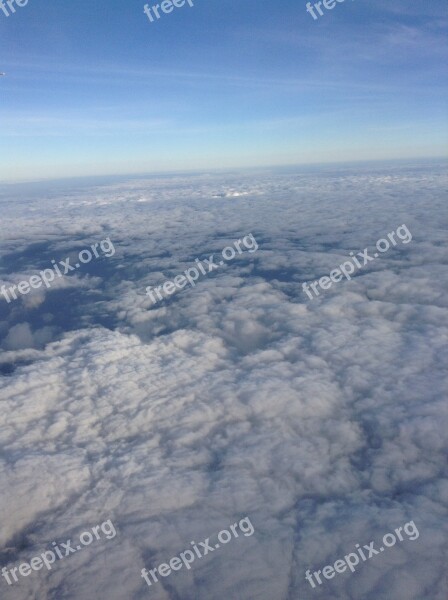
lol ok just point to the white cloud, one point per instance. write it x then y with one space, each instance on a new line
322 421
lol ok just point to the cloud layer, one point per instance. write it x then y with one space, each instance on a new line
324 421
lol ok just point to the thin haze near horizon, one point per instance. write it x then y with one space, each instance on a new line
96 88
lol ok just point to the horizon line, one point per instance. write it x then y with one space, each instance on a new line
178 172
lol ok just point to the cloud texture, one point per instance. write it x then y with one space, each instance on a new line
324 421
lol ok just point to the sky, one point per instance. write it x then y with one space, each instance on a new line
95 88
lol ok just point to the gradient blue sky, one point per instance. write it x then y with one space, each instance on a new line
95 88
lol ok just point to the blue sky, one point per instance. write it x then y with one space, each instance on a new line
95 88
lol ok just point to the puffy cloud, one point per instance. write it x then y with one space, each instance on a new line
323 421
20 337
